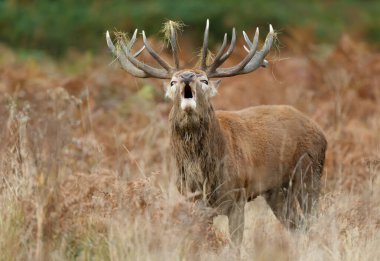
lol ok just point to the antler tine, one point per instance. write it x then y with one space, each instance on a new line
220 52
124 62
222 47
151 71
246 38
205 47
252 61
161 61
110 44
132 42
230 49
173 43
251 53
134 66
254 43
258 60
139 51
224 57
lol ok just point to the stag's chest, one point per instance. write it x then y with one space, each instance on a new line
200 171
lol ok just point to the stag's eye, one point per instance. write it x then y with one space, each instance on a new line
204 81
172 83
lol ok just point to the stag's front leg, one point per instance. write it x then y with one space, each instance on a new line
236 221
232 206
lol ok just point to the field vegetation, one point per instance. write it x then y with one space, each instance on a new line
86 171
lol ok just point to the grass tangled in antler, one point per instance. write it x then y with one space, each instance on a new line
167 28
209 57
120 37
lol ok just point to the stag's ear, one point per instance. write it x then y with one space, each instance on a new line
214 87
169 90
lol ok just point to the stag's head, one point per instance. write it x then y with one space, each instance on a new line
191 89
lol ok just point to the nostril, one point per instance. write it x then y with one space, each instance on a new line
188 94
187 77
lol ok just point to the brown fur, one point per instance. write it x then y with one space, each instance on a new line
234 156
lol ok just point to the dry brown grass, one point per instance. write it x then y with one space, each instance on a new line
86 171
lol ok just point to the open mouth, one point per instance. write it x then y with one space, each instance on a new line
188 98
187 92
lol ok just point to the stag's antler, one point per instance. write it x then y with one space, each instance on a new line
251 62
137 68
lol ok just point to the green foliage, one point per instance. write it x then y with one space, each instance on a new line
142 99
59 25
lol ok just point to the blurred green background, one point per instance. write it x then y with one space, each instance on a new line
56 26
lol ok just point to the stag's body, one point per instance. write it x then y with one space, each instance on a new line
255 149
233 156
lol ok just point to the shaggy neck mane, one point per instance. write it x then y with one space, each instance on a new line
198 147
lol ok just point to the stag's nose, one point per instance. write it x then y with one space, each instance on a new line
187 77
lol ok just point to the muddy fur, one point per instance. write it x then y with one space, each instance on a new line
234 156
199 148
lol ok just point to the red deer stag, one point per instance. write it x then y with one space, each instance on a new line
234 156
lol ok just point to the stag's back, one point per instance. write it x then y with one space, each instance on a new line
264 144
